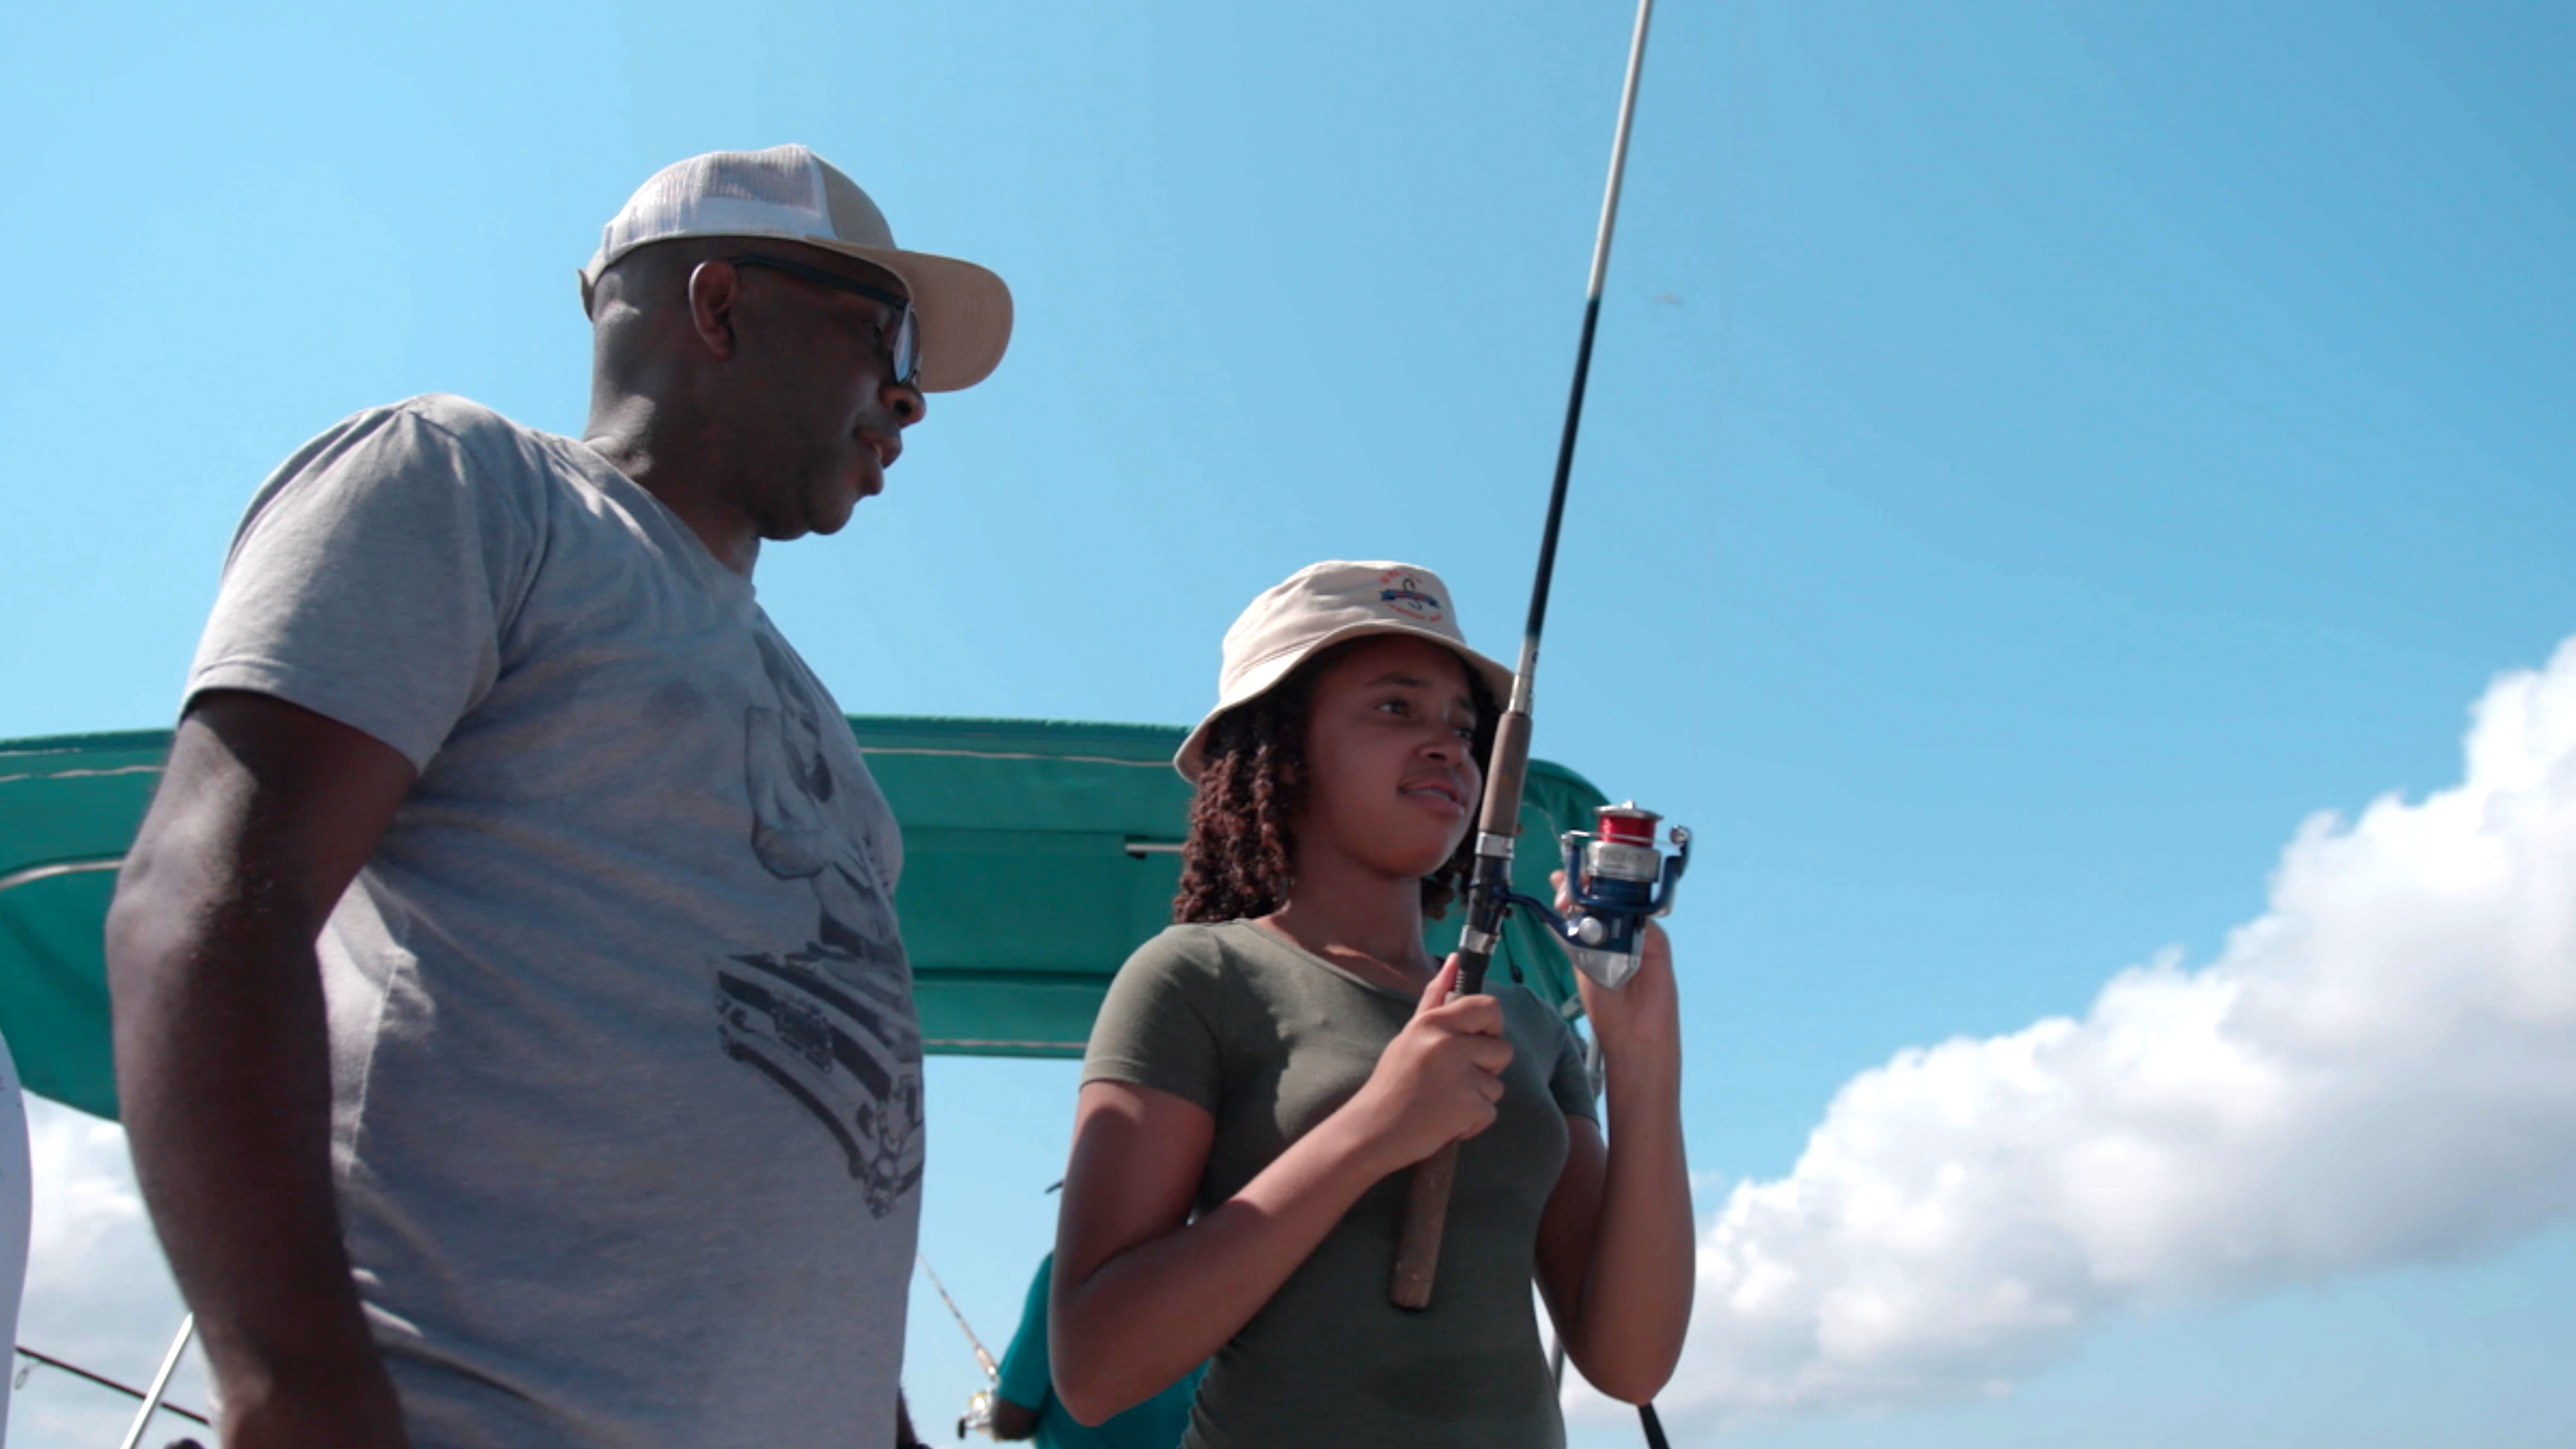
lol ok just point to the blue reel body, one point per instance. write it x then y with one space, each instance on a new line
1619 880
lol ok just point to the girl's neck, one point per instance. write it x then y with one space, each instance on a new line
1347 914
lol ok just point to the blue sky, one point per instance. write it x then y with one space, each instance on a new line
2037 456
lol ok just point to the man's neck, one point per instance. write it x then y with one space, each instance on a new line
637 438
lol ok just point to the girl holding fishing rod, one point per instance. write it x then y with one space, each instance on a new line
1263 1072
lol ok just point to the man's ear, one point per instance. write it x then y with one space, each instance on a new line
714 288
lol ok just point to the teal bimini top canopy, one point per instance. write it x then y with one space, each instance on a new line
1036 856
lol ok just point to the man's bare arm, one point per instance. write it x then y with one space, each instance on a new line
264 814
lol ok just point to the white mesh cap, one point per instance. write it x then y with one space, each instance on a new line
792 194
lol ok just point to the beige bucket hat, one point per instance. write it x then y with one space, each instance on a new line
789 193
1318 607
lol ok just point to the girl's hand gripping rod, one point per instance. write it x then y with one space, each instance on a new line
1610 902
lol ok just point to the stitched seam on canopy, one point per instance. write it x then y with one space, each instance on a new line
35 873
1013 755
83 774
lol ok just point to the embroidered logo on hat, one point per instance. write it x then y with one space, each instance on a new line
1403 595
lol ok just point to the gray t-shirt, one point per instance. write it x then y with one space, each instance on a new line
627 1120
1270 1040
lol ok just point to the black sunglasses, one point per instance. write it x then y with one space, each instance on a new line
903 340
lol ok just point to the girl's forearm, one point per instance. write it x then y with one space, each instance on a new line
1150 1314
1637 1295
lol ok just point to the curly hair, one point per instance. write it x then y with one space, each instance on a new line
1243 833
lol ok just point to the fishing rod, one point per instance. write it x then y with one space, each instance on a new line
75 1370
979 1406
1616 879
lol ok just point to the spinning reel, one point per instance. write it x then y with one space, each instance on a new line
1619 880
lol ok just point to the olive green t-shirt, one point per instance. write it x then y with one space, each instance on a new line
1270 1040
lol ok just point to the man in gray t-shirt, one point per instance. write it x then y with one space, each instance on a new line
514 1031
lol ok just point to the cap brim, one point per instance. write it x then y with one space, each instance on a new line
1262 678
964 312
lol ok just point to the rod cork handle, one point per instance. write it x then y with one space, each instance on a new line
1426 1200
1426 1217
1426 1206
1500 811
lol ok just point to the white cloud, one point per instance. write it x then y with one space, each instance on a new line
98 1291
2379 1070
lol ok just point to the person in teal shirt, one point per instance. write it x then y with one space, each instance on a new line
1025 1405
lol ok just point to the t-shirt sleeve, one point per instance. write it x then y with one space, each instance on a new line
371 581
1026 1378
1154 1030
1571 1083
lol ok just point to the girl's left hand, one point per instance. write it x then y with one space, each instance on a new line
1643 1018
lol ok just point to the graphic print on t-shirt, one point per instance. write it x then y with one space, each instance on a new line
829 1022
